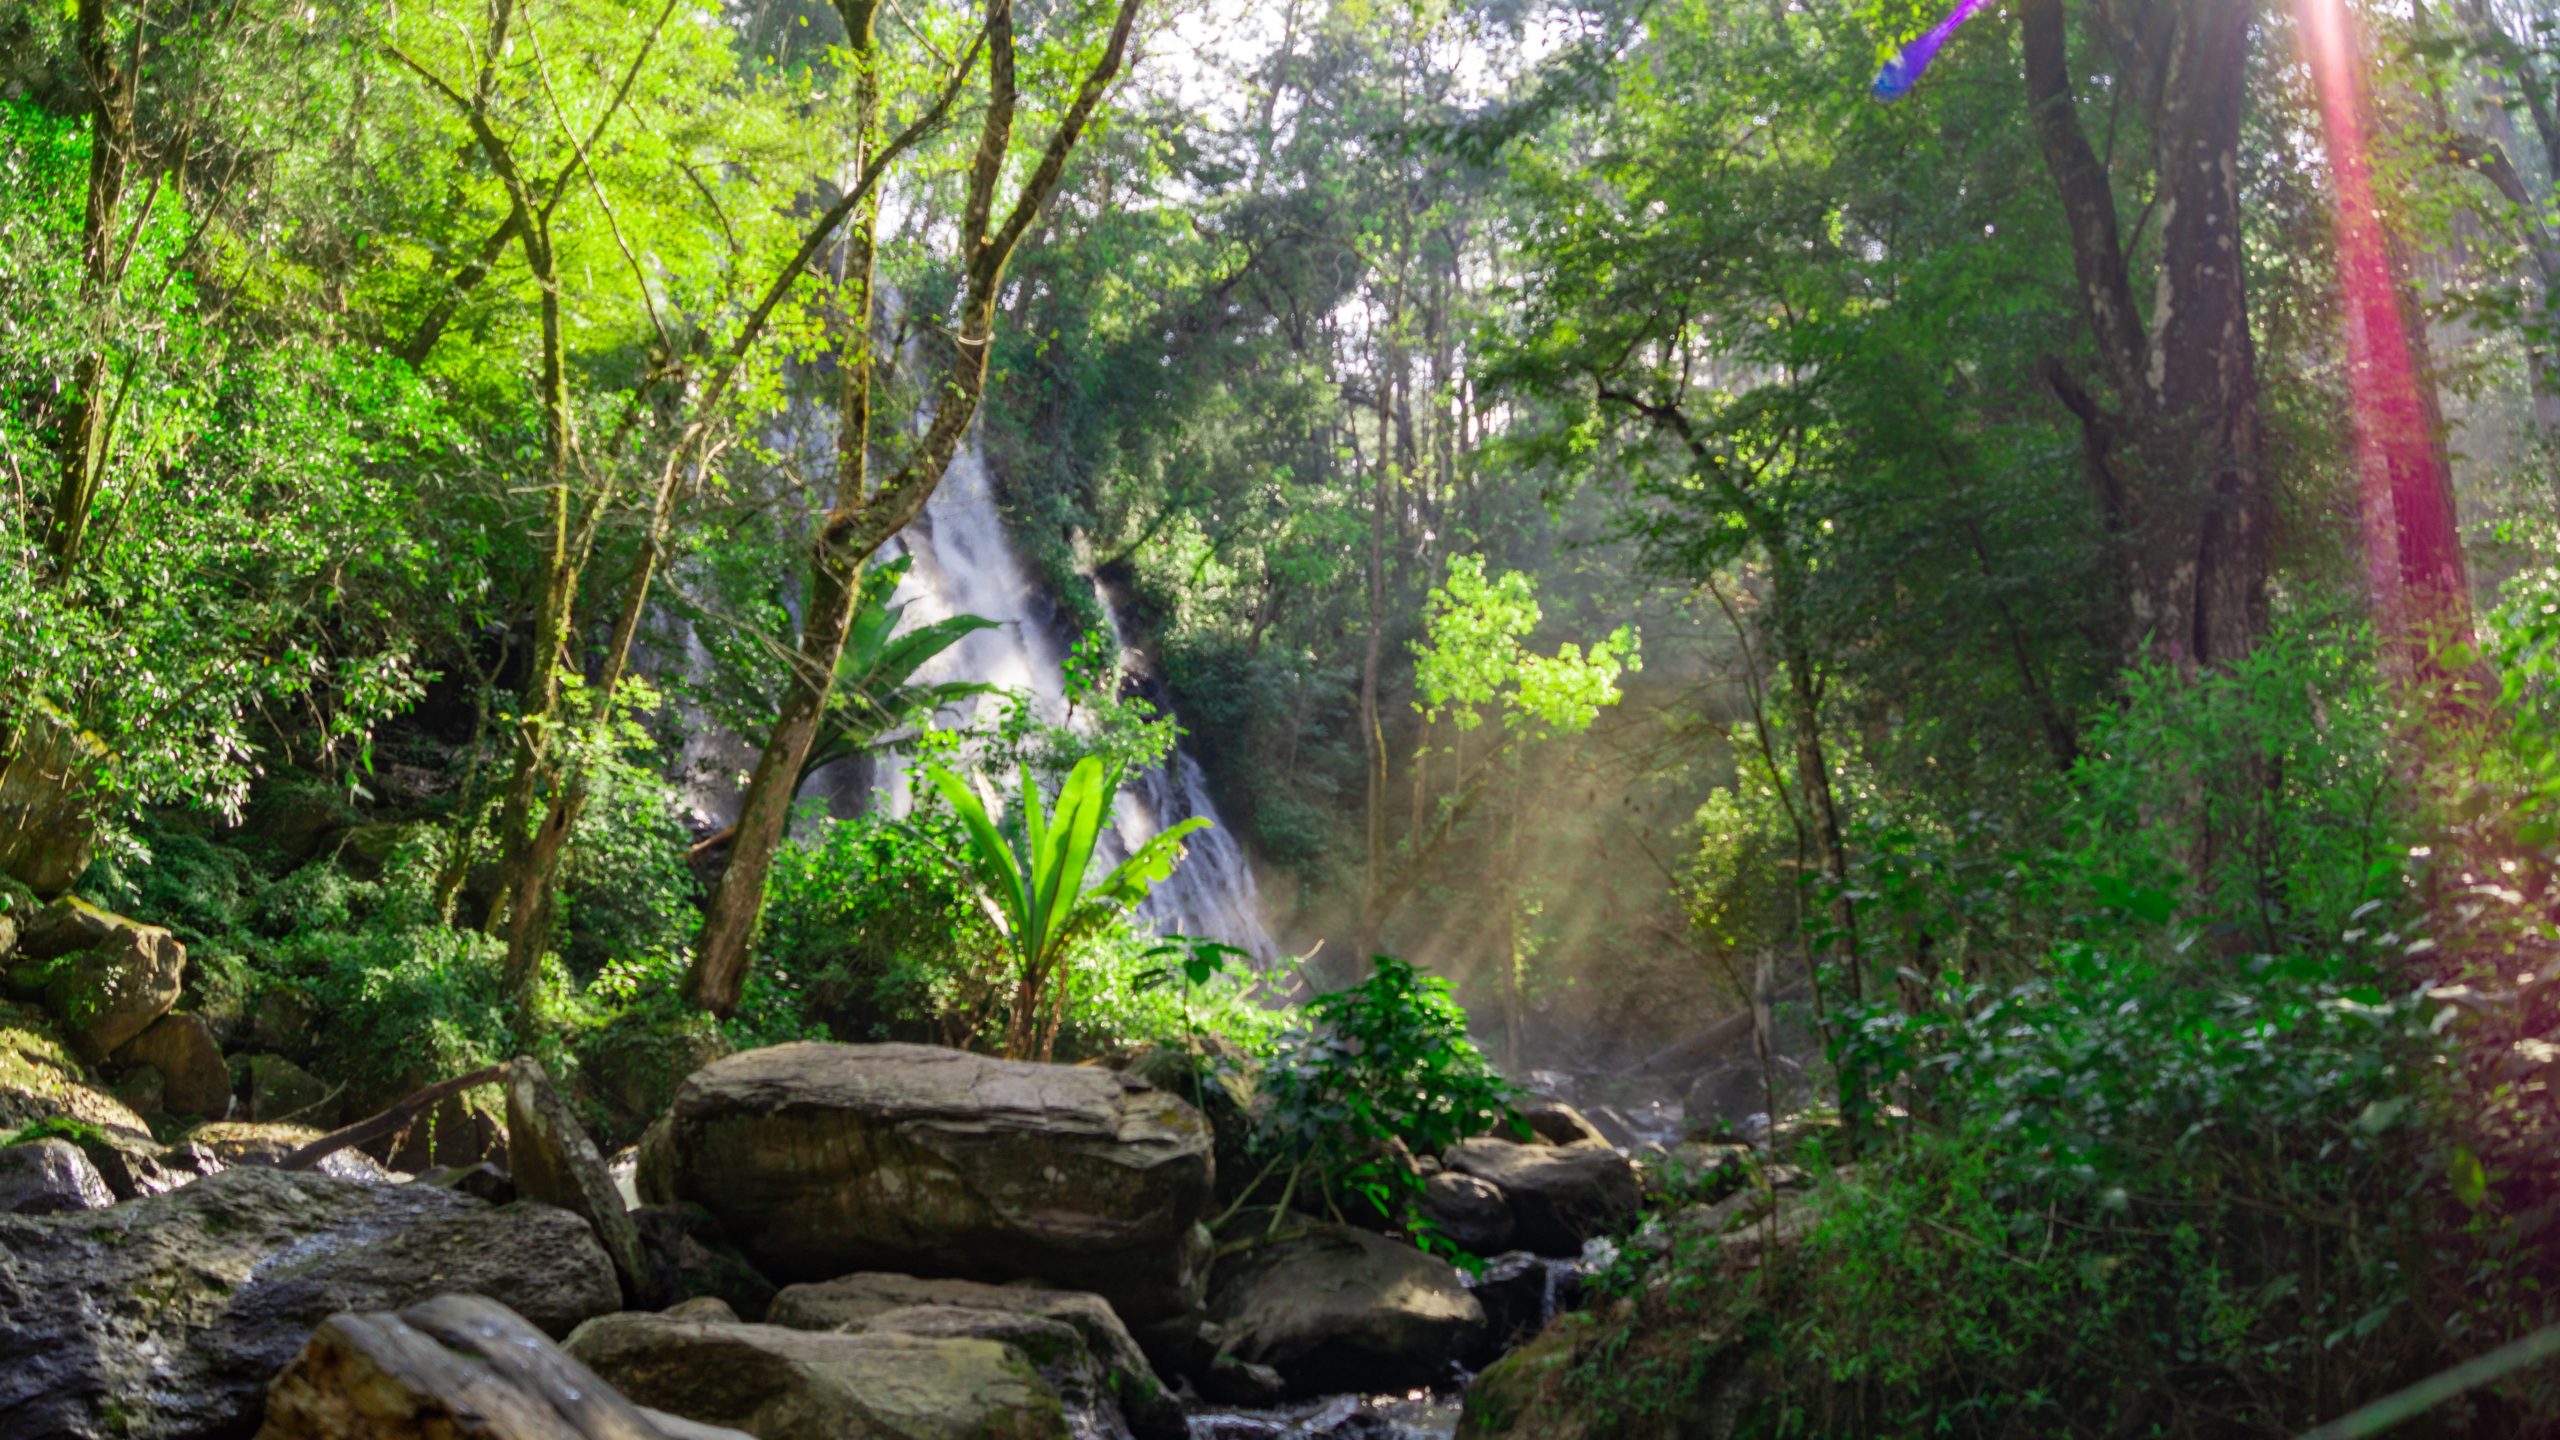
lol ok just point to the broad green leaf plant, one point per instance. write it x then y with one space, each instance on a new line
1031 880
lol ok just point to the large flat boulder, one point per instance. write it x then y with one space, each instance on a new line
165 1317
1332 1308
820 1160
452 1367
1560 1195
1074 1339
779 1384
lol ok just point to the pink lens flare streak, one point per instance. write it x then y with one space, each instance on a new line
2413 551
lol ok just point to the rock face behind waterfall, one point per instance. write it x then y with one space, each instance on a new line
820 1160
165 1317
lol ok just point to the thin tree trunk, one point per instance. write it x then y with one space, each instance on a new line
88 431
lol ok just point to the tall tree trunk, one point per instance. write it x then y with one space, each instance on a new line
2176 446
1373 735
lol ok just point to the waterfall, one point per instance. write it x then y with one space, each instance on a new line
964 564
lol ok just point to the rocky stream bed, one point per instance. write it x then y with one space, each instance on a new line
811 1240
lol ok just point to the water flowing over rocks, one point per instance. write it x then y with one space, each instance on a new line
166 1317
820 1160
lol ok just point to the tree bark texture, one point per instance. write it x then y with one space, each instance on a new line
2175 447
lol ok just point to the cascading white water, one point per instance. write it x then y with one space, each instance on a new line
963 564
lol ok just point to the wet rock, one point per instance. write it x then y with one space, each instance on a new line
1472 1213
779 1384
1520 1293
47 1177
103 977
278 1091
1334 1308
483 1181
183 1050
1074 1339
456 1365
1557 1123
166 1317
826 1159
1227 1380
1561 1195
553 1161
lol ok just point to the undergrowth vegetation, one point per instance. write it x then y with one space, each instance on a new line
2170 1137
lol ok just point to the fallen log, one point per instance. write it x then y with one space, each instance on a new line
399 1117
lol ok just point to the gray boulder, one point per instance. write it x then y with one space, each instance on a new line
1075 1341
194 1081
779 1384
1472 1213
47 1177
1561 1195
1332 1308
1557 1123
821 1160
166 1317
105 978
456 1365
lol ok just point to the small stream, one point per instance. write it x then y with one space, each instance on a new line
1420 1415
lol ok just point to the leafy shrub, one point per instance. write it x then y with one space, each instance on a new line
873 923
1379 1073
2173 1155
625 891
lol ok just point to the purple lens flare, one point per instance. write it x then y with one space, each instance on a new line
1903 71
